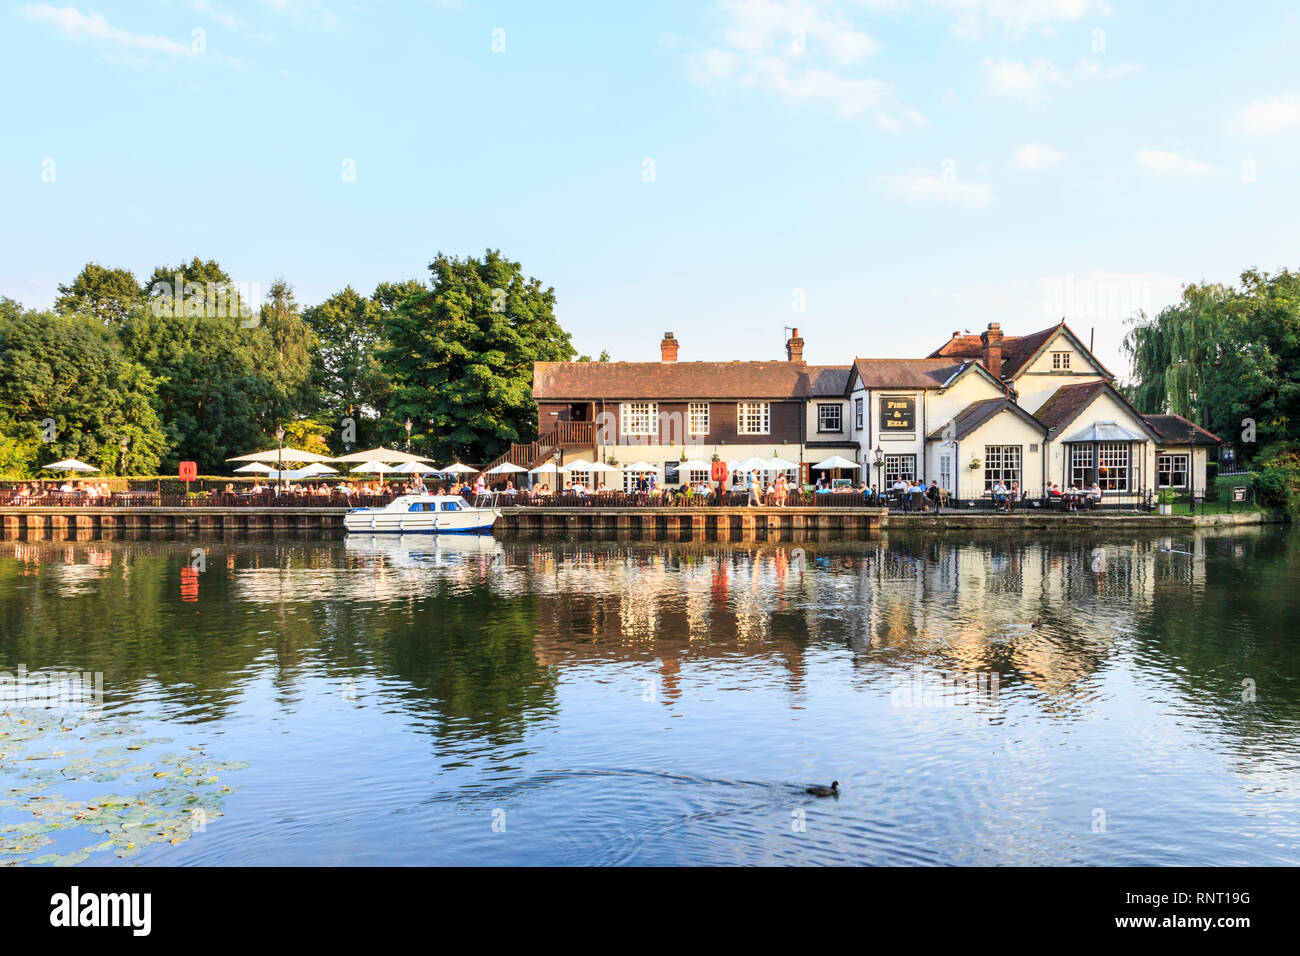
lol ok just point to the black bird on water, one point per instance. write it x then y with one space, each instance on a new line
1037 624
832 791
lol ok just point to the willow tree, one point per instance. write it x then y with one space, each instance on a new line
1222 356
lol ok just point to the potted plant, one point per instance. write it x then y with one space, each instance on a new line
1166 499
974 463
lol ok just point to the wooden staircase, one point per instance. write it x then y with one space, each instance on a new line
563 435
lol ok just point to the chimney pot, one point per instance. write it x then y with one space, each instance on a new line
668 348
991 340
794 347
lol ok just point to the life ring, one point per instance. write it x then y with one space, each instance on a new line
719 472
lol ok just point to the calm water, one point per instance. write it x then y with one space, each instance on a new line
411 701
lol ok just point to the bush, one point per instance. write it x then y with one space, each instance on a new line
1278 489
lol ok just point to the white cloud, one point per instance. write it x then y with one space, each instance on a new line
206 8
800 51
1162 162
973 19
71 21
1036 156
941 189
311 12
1007 77
1271 116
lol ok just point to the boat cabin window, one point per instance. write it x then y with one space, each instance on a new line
420 506
451 506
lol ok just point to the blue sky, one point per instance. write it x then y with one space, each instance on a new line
878 173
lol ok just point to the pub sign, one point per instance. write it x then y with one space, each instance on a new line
897 414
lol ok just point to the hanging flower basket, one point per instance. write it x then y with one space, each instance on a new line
974 463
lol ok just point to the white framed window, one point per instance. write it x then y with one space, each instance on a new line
697 418
830 418
857 413
945 472
579 478
1172 471
899 466
753 418
638 418
1001 463
1081 466
1061 361
696 476
1113 466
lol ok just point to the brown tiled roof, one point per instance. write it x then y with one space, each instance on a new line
1067 402
907 373
1177 430
665 381
977 413
1017 350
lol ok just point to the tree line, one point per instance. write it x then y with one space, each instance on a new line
134 377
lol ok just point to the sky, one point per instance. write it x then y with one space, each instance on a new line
877 173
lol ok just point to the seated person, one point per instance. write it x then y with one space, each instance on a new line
932 493
1094 495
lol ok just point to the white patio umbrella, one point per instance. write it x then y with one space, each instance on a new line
255 466
545 468
753 464
69 464
695 464
835 461
387 455
780 464
414 468
458 469
281 454
641 466
601 466
316 468
505 468
372 468
578 464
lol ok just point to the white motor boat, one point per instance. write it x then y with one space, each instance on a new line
421 514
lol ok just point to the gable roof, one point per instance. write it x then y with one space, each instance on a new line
1018 351
1176 430
906 373
666 381
976 414
1069 401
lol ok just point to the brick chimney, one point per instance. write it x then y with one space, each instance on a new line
794 347
668 348
992 342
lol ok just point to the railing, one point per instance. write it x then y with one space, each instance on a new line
568 434
154 499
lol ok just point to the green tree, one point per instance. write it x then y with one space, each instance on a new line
460 357
227 377
109 295
1222 356
69 374
347 378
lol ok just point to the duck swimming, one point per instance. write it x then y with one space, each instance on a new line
819 791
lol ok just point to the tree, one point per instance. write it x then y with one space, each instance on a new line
1223 355
460 357
67 376
346 376
109 295
227 377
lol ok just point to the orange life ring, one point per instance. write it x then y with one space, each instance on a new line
719 471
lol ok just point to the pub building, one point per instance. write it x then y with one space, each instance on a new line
1036 409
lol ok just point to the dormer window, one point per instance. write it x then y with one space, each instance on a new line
1061 361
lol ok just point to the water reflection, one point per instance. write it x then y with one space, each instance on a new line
1012 681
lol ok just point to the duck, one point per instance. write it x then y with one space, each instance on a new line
1038 623
819 791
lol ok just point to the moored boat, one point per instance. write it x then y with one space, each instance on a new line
421 514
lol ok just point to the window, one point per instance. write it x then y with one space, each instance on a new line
753 418
899 466
580 478
945 472
1112 462
857 414
830 418
1001 463
1171 471
638 418
697 476
1061 361
698 418
451 506
1081 466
